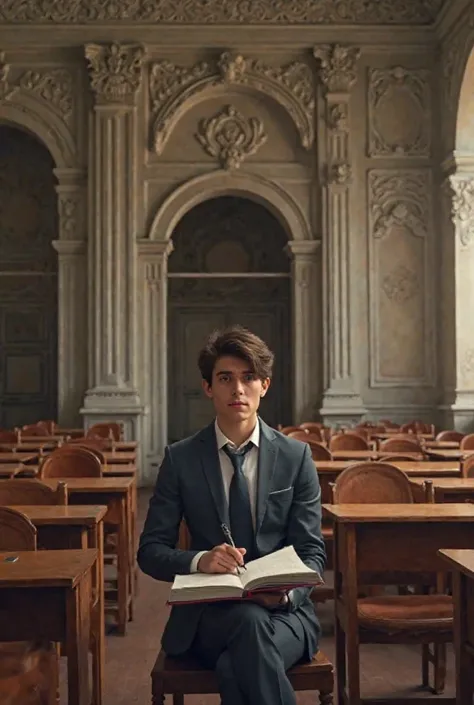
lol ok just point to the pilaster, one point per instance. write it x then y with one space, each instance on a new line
341 400
115 78
304 256
153 271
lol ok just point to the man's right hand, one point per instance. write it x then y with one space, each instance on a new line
221 559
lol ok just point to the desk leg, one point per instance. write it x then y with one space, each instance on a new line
77 641
123 567
350 594
96 540
464 691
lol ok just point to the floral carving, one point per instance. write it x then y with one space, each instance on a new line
230 137
462 209
172 86
400 199
6 88
68 217
360 12
55 87
115 71
338 117
400 285
340 174
406 93
337 66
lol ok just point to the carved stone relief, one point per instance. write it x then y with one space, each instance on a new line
399 112
337 70
230 137
462 209
467 367
340 174
172 86
224 11
54 86
337 117
399 255
115 71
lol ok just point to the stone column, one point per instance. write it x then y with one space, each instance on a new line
116 75
72 287
305 334
461 187
341 399
153 271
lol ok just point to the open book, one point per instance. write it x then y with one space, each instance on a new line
281 570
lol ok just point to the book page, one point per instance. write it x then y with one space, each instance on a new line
197 581
284 562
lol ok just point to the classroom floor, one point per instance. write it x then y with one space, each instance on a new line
386 670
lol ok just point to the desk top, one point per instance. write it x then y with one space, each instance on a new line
364 513
113 457
9 469
453 454
46 568
7 457
72 515
120 485
410 467
461 559
460 484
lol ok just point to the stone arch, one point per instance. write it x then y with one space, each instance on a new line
225 183
28 113
464 140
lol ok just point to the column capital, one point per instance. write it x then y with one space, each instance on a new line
460 187
68 178
302 249
115 71
69 248
337 66
154 249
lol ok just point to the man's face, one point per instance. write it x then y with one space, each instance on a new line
236 390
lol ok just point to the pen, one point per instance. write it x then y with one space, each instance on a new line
230 540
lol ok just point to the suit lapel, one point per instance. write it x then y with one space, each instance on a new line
267 456
212 471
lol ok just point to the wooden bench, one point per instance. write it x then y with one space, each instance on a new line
185 676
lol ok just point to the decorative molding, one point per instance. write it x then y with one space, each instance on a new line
401 284
340 174
230 137
467 366
174 88
406 94
115 71
228 12
338 117
337 66
55 87
69 248
462 209
399 199
7 89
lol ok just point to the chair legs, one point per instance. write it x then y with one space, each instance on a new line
437 657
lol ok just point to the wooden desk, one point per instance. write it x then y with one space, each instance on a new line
49 593
118 494
373 540
461 563
441 445
29 447
120 456
413 468
453 454
10 470
10 457
451 489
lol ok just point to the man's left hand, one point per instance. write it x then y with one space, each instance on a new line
271 600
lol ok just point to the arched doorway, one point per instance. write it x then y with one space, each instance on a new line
228 266
28 280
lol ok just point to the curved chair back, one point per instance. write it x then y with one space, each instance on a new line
467 442
468 466
348 441
28 492
17 533
70 461
286 430
110 430
454 436
400 445
372 483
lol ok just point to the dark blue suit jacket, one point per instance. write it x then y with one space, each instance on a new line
190 486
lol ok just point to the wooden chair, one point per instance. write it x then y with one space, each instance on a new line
467 467
36 429
467 442
26 669
185 676
8 437
286 430
29 492
403 618
348 441
110 430
455 436
400 445
317 429
70 461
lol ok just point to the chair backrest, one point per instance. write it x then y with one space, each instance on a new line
348 441
313 427
17 533
8 437
304 436
400 445
467 442
395 457
468 466
95 447
286 430
319 452
455 436
28 492
109 429
36 429
70 461
372 483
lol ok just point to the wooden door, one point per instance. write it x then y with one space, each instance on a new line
28 281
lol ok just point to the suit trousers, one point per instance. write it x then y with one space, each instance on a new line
250 648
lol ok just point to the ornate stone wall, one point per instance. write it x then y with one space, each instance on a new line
328 117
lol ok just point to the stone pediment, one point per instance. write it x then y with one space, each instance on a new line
227 12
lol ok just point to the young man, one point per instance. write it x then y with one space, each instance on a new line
239 474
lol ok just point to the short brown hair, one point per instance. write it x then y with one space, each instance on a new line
236 341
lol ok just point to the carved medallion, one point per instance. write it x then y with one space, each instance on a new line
230 137
340 174
173 87
400 285
462 209
234 12
399 112
115 71
337 66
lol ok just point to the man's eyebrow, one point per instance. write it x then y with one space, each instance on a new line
229 372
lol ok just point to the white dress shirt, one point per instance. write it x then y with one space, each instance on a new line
249 468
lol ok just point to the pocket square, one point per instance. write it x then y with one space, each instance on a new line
286 489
